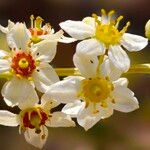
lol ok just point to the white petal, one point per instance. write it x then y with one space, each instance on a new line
48 104
7 29
3 29
19 92
134 42
10 25
45 50
8 119
73 109
88 119
77 29
37 140
89 21
64 91
121 82
20 35
119 58
65 39
87 66
90 47
60 119
44 76
124 99
109 70
4 65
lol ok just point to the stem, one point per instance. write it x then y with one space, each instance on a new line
62 72
139 68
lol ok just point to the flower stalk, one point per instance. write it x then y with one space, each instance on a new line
138 68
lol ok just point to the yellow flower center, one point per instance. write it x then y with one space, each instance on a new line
95 90
108 34
23 63
107 29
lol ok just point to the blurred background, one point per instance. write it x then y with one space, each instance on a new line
121 131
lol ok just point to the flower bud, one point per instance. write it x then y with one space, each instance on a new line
147 29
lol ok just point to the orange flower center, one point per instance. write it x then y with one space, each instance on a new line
23 64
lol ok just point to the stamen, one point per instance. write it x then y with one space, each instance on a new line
110 14
32 19
94 109
118 21
125 28
38 22
103 12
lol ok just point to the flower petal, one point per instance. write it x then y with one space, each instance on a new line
48 104
88 119
124 99
65 39
8 119
45 50
60 119
37 140
119 58
73 109
109 70
121 82
90 47
4 65
19 92
133 42
20 35
89 21
87 66
64 91
44 76
77 29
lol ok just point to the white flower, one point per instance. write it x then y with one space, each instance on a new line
95 94
36 32
29 67
33 120
101 36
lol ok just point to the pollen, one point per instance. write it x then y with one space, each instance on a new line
107 28
95 90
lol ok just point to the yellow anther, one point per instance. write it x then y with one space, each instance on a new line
118 21
125 27
147 29
38 62
32 19
111 13
103 12
119 18
19 76
23 63
30 78
38 22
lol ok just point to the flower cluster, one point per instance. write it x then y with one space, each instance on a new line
100 57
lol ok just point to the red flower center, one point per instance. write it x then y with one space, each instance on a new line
23 64
33 118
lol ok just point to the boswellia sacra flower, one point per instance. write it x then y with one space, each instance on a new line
101 35
28 66
32 121
36 32
95 94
